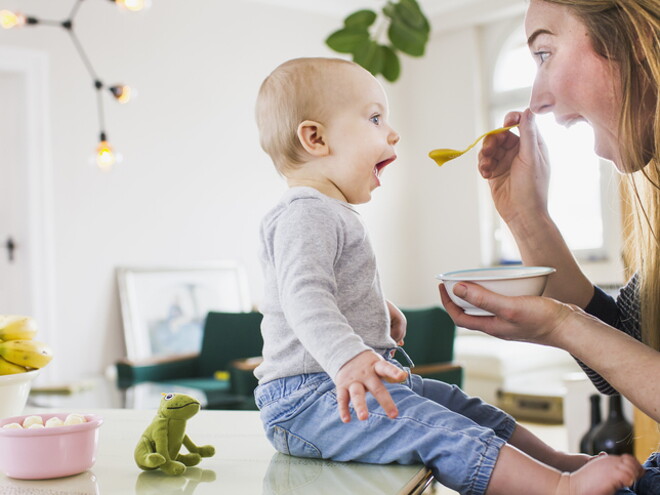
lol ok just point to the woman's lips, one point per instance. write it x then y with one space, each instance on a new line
570 120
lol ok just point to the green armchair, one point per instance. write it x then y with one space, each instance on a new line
223 368
232 345
429 342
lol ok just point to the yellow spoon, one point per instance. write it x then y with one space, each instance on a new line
443 155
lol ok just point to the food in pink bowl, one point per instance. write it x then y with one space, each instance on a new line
50 445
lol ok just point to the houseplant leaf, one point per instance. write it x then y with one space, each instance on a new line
407 39
369 56
408 11
391 65
347 40
408 32
360 19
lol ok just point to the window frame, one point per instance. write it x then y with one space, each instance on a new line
603 265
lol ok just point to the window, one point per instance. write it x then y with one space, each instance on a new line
581 184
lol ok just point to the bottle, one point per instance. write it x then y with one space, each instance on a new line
587 441
615 434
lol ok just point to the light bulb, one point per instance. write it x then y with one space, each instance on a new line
123 93
9 19
105 156
133 5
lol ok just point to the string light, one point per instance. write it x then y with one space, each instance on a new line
123 93
132 5
9 19
105 156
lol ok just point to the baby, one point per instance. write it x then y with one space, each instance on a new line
329 332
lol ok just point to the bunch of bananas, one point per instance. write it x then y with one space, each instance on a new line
18 352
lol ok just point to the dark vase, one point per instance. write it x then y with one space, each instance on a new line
587 441
615 434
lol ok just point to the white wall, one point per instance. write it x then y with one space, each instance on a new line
194 182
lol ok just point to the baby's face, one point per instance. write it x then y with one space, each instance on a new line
358 134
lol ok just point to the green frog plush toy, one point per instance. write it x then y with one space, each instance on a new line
160 443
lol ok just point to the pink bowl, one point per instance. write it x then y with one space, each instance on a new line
48 452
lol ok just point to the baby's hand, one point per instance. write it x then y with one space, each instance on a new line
364 373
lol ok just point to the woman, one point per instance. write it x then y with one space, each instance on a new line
598 61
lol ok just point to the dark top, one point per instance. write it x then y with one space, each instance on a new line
622 313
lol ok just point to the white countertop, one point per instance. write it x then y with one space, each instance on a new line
244 462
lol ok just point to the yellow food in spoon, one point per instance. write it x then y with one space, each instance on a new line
443 155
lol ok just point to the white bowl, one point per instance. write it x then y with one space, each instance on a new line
506 280
14 390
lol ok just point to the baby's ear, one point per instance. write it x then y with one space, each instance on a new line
312 137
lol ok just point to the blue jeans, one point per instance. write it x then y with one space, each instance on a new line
458 437
649 483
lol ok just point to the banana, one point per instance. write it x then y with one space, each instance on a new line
7 368
28 353
14 327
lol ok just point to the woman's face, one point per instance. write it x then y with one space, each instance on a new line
572 80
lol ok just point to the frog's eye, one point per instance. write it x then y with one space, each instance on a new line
168 396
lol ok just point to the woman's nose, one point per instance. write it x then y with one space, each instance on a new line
541 100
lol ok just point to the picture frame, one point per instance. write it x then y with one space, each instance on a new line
164 307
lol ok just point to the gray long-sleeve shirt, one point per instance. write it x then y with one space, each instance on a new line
323 303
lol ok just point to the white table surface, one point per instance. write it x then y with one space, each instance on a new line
244 463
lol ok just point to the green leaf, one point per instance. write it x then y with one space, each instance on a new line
361 19
408 32
369 56
407 39
390 10
391 65
347 40
409 12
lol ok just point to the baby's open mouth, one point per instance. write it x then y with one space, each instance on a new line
381 165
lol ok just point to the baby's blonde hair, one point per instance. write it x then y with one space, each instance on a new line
295 91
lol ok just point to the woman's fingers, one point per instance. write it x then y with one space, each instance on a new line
480 297
462 319
498 151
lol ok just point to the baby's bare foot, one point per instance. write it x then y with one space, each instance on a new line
603 475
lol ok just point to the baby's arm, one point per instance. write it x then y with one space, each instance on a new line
364 373
398 323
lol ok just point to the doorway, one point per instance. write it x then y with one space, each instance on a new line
26 240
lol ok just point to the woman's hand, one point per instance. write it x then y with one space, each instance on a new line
398 324
625 363
524 318
516 168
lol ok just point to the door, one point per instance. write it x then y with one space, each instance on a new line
14 287
26 247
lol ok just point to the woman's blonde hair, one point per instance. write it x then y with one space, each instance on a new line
627 33
295 91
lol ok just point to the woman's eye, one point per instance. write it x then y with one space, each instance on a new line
541 56
375 119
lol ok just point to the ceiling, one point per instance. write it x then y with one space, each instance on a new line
452 12
343 7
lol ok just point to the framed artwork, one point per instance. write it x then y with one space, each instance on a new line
164 308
